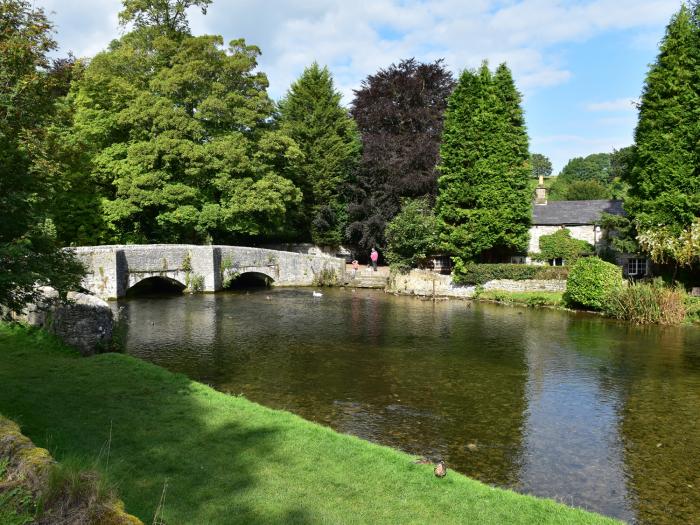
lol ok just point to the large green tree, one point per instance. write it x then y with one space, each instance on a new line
484 201
179 141
312 115
167 15
593 167
541 165
29 253
664 197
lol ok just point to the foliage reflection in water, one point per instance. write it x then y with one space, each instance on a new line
591 412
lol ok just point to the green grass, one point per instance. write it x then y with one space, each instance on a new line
524 298
223 459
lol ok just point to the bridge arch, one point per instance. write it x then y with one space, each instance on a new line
155 285
251 279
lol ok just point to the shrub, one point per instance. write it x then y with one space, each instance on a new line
472 273
560 245
692 309
648 303
591 281
411 235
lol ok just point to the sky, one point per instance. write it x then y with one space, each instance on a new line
580 64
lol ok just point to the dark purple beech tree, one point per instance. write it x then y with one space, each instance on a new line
399 114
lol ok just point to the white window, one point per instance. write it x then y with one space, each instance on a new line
637 267
556 262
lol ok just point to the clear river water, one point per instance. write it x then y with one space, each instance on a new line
590 412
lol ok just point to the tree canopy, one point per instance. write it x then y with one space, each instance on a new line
541 165
312 115
593 167
29 253
412 235
483 205
664 195
180 142
169 15
399 113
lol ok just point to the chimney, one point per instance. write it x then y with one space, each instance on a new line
541 193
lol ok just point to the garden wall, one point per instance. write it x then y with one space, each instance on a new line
427 283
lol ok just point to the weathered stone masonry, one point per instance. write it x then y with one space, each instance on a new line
112 270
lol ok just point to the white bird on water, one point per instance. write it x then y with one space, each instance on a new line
317 294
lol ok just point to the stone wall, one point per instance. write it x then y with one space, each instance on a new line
426 283
84 322
307 248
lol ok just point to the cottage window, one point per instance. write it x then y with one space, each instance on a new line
637 267
556 262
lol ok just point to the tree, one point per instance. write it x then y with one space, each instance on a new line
311 114
29 253
541 165
664 195
619 236
584 190
167 15
593 167
399 113
483 205
178 140
411 235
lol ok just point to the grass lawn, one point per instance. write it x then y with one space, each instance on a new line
223 459
524 298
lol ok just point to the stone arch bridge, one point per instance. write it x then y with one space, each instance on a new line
112 270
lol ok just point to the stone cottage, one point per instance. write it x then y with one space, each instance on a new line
581 218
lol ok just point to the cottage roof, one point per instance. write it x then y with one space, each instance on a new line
558 213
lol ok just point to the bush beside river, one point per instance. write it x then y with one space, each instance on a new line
201 456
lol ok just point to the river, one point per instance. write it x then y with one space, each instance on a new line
591 412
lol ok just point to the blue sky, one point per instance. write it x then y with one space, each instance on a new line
579 64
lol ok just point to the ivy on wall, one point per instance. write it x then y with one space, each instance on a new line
560 245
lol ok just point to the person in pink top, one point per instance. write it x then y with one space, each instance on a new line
374 257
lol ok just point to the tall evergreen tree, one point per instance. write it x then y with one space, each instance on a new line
664 196
399 113
483 204
312 115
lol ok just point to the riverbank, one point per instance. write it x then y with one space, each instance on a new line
532 299
213 458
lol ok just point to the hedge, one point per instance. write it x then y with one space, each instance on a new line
472 273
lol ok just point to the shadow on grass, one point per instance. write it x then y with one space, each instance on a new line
155 435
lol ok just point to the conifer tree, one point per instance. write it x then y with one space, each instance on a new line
311 114
483 203
665 178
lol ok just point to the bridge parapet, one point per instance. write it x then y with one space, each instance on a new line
112 270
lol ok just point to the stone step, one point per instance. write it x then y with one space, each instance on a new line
368 281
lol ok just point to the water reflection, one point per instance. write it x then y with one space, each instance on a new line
564 406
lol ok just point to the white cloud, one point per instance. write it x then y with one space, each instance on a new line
617 105
355 38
